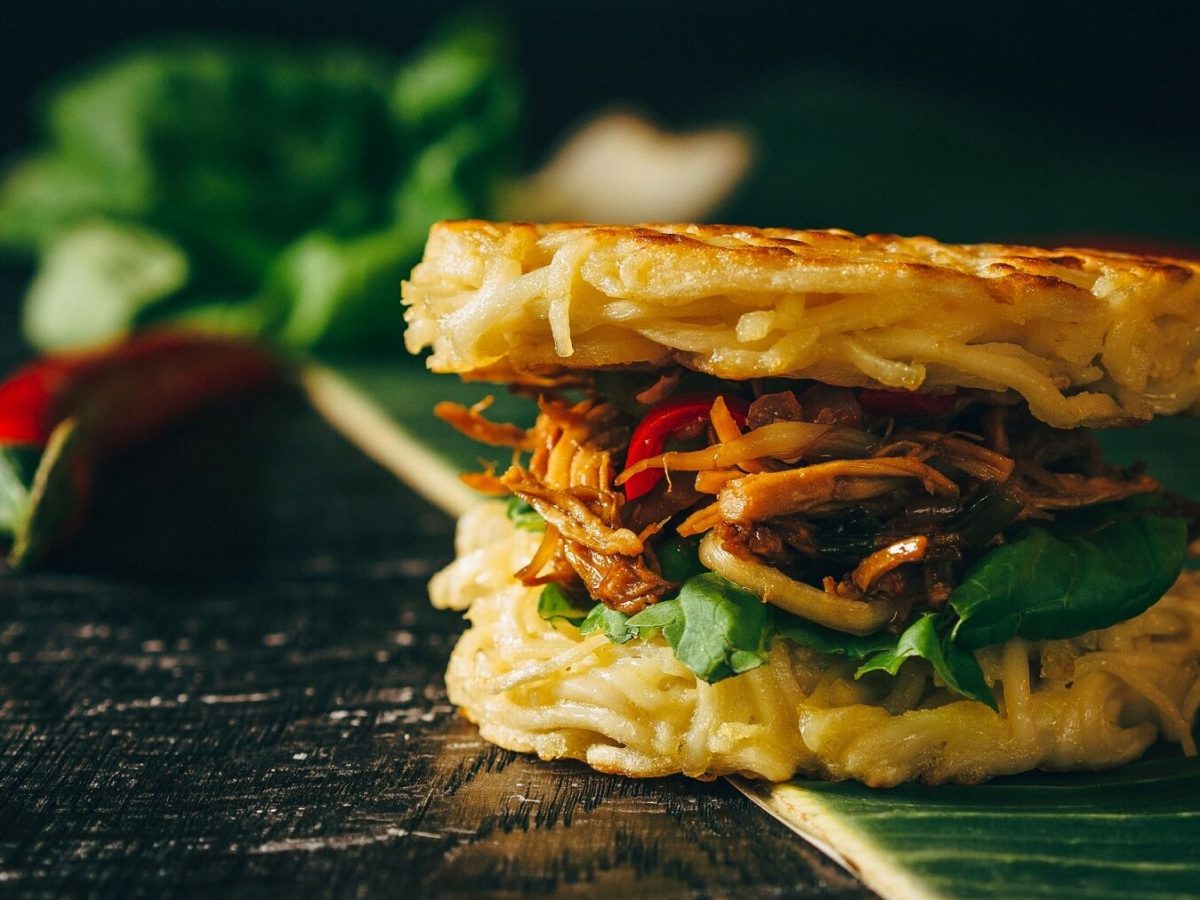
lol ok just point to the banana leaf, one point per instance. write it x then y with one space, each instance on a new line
1133 831
1130 832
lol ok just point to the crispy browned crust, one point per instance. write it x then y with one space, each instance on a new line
1086 336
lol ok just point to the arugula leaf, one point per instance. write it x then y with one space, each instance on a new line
610 622
655 619
522 515
555 603
1040 586
715 628
1106 565
722 630
957 668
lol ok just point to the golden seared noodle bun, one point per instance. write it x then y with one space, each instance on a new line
1090 702
1085 337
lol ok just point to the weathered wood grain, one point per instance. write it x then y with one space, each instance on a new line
232 685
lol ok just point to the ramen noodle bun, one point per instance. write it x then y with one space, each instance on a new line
1086 337
810 502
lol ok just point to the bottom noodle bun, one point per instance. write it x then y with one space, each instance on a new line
1090 702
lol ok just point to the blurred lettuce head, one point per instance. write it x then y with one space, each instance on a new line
254 189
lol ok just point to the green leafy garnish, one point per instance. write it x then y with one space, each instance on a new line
679 558
725 630
718 630
1041 586
609 622
827 640
1105 566
555 603
122 270
957 668
523 515
715 628
253 189
653 619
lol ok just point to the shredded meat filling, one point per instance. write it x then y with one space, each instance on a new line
626 584
862 510
568 482
582 515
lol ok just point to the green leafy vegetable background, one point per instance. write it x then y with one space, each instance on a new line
243 187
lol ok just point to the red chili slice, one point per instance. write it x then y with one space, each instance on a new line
905 404
664 419
26 398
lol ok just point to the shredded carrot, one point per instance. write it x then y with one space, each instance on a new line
471 422
545 553
781 440
485 482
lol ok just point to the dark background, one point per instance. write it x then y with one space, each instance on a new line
1108 68
1033 111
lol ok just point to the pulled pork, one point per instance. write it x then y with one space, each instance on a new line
569 482
845 499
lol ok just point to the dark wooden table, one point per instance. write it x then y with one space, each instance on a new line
232 683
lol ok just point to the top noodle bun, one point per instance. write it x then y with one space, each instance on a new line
1087 337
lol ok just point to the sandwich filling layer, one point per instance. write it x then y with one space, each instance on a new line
876 525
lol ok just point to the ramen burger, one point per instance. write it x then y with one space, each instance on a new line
810 502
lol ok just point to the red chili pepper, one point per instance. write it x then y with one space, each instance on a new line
905 404
113 397
25 401
126 391
663 420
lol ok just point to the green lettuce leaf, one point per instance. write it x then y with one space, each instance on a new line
719 629
679 558
1105 565
609 622
1041 586
817 637
957 668
523 515
652 620
555 603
